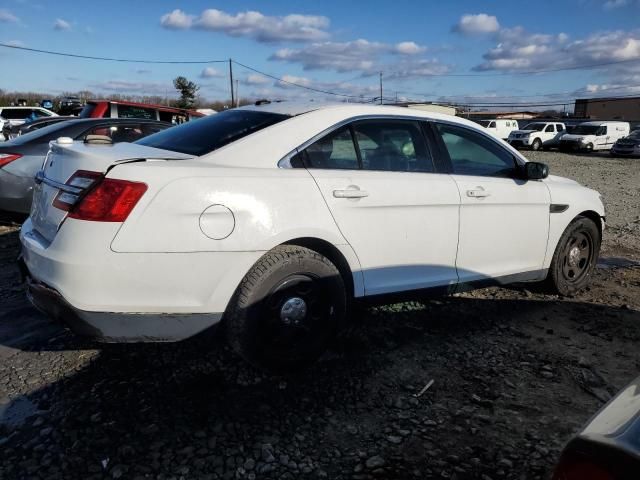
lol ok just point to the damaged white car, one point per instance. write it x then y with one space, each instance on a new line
275 218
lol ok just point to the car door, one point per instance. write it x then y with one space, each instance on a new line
504 220
400 217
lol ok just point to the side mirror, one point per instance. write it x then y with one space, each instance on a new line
536 170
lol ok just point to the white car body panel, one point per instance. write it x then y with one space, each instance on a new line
415 246
204 221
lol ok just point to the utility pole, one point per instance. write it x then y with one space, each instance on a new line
380 88
231 82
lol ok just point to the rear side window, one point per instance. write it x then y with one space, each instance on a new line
213 132
15 113
474 154
132 111
559 127
392 146
334 151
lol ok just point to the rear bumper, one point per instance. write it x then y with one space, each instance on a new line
118 297
115 327
16 192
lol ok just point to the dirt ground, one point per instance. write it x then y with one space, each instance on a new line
513 373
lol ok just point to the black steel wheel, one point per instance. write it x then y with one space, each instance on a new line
575 257
286 310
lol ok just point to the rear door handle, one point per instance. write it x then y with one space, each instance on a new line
478 192
350 192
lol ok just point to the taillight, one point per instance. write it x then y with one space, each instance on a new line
6 158
102 199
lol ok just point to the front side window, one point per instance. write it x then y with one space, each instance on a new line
549 128
334 151
492 125
474 154
393 146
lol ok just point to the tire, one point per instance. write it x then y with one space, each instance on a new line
286 310
536 145
575 257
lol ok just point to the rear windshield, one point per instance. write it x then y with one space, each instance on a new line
44 134
87 110
210 133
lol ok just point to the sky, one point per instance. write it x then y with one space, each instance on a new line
461 51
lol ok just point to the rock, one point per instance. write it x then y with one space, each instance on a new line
394 439
375 462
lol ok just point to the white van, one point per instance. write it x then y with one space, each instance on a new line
499 127
597 135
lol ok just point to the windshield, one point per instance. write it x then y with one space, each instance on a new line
538 127
484 123
210 133
586 130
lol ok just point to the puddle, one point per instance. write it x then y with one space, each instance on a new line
616 262
14 413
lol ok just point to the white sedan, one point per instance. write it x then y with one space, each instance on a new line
275 218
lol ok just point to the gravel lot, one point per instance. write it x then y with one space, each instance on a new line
514 373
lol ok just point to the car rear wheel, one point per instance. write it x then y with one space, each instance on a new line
536 145
286 310
575 257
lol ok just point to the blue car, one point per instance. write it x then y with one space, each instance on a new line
48 104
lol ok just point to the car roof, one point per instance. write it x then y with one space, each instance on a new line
293 108
90 121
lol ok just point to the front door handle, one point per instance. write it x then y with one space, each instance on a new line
350 192
478 192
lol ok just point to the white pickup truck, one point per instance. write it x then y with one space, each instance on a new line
537 135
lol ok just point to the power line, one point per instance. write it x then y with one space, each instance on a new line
319 90
108 59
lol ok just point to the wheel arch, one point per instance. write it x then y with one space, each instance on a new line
334 254
593 216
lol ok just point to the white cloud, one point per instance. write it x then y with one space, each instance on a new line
7 17
287 80
210 72
176 20
252 24
255 79
15 43
409 48
365 57
61 25
519 50
123 86
613 4
477 24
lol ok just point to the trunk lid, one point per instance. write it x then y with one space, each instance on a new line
65 158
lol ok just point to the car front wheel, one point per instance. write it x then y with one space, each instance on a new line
286 310
536 145
575 257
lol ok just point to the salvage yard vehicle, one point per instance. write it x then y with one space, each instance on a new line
21 158
590 136
10 116
608 447
275 218
499 127
11 132
538 135
628 146
124 109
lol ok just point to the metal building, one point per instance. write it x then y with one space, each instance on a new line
608 108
